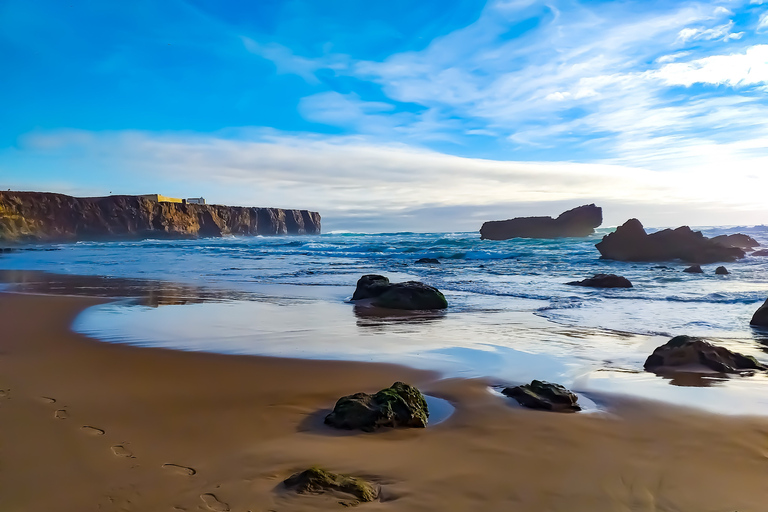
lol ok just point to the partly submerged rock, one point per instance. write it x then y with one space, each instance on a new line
761 252
577 222
370 286
739 240
401 405
431 261
760 318
694 269
688 350
630 242
604 281
721 271
411 295
544 395
317 481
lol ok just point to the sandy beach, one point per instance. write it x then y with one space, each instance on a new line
92 426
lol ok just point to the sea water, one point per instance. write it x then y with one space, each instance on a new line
511 315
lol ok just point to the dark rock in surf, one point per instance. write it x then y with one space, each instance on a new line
761 252
736 240
544 395
401 405
760 318
687 350
318 481
411 295
430 261
577 222
694 269
630 242
721 271
604 281
370 286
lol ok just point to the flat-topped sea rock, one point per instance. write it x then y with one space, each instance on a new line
577 222
603 281
429 261
544 395
410 295
320 481
739 240
688 351
630 242
693 269
761 252
400 405
760 318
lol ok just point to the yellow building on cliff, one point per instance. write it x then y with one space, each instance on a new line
161 199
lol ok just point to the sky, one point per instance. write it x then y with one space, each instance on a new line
395 116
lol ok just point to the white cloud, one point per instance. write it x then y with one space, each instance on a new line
287 63
721 32
740 69
762 23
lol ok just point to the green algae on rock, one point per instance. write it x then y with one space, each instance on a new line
400 405
317 481
544 395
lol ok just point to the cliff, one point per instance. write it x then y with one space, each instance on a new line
580 221
45 217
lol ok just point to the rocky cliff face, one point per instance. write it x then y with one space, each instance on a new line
44 217
578 222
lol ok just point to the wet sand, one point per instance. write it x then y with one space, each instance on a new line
92 426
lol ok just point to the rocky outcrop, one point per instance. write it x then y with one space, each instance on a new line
721 271
761 252
44 217
687 350
603 281
428 261
578 222
411 295
630 242
319 481
760 318
401 405
544 395
739 240
693 269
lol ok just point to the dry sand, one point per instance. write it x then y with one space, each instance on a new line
91 426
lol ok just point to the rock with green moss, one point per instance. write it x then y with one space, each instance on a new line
401 405
687 350
411 295
544 395
317 481
370 286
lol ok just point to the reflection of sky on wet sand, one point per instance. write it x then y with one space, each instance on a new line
506 346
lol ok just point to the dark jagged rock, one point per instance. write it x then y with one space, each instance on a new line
760 318
431 261
687 350
604 281
694 269
370 286
45 217
317 481
401 405
544 395
721 271
761 252
630 242
736 240
578 222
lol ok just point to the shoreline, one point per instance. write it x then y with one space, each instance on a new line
244 423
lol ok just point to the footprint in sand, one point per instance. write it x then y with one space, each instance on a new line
47 400
181 470
92 431
122 451
61 414
213 503
5 393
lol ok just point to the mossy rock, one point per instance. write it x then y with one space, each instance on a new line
400 405
370 286
316 480
411 295
544 395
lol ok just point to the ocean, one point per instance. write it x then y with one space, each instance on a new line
511 317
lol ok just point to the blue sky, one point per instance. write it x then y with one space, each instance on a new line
390 116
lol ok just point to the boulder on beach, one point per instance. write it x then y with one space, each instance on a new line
412 295
688 350
739 240
760 318
630 242
577 222
544 395
401 405
431 261
721 271
604 281
318 481
694 269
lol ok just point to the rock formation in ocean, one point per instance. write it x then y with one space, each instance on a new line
578 222
603 281
46 217
412 295
400 405
721 271
687 351
760 318
761 252
319 481
630 242
739 240
693 269
544 395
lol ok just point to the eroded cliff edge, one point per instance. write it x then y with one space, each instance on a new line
47 217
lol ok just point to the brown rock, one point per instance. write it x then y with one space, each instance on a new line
578 222
687 350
